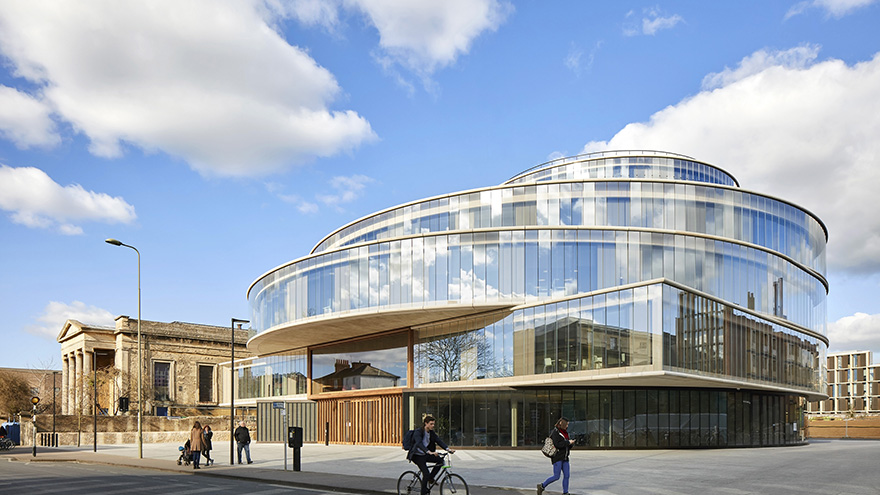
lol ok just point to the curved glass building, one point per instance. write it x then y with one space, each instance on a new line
642 294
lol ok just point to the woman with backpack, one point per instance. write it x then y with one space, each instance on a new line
563 444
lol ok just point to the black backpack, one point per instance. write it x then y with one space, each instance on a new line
409 439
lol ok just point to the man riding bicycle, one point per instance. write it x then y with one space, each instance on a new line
423 451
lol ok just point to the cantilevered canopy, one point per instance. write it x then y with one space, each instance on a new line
321 330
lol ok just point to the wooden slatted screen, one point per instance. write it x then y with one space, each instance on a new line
362 419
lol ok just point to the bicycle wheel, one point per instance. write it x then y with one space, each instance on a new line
453 483
409 483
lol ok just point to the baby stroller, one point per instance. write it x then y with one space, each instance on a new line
186 455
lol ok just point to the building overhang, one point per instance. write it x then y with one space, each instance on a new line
337 327
633 376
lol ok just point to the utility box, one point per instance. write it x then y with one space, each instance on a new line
295 437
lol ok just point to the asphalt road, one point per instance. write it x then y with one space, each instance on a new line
90 479
824 467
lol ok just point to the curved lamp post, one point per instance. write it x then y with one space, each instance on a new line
140 434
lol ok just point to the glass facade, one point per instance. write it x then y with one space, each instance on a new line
697 334
528 265
612 417
271 376
632 164
648 262
378 362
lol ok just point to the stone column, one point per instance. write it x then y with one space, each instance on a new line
88 403
78 383
64 364
71 383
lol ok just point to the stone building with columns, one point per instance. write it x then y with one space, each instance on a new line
181 375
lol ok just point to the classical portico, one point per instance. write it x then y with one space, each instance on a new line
87 352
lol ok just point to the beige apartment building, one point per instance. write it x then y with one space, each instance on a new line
853 385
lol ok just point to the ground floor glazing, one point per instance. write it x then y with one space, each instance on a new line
612 418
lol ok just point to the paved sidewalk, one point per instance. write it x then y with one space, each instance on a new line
824 466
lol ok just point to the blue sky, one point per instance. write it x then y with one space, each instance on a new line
223 139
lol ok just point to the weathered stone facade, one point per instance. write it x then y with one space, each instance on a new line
74 430
180 375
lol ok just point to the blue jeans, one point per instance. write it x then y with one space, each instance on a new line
247 451
197 455
557 467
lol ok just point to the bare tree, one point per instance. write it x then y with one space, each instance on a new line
460 356
15 394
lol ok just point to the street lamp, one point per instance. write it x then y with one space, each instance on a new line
54 442
232 390
95 355
35 400
140 363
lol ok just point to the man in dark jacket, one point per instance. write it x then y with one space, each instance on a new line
424 448
243 439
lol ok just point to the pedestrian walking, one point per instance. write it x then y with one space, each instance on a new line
563 444
196 443
243 439
206 448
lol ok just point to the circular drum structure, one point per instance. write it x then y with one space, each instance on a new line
642 294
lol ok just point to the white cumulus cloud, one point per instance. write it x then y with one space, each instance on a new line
346 190
795 58
425 36
209 81
25 120
858 332
35 200
832 8
651 22
803 132
55 313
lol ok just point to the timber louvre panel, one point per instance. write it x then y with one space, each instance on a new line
270 423
365 420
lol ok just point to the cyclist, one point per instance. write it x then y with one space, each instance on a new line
424 448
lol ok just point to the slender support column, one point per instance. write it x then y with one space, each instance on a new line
65 362
71 383
78 383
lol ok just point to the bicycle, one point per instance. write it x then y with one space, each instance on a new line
6 444
410 482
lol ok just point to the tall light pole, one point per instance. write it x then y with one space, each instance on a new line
95 355
232 390
140 363
54 400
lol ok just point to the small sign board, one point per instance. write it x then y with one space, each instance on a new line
277 405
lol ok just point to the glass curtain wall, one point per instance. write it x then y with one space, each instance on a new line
705 336
617 329
612 417
377 362
271 376
711 210
528 265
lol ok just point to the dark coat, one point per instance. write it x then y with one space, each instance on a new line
563 447
207 445
242 435
419 443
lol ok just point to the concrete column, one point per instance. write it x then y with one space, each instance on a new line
88 403
78 383
64 375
